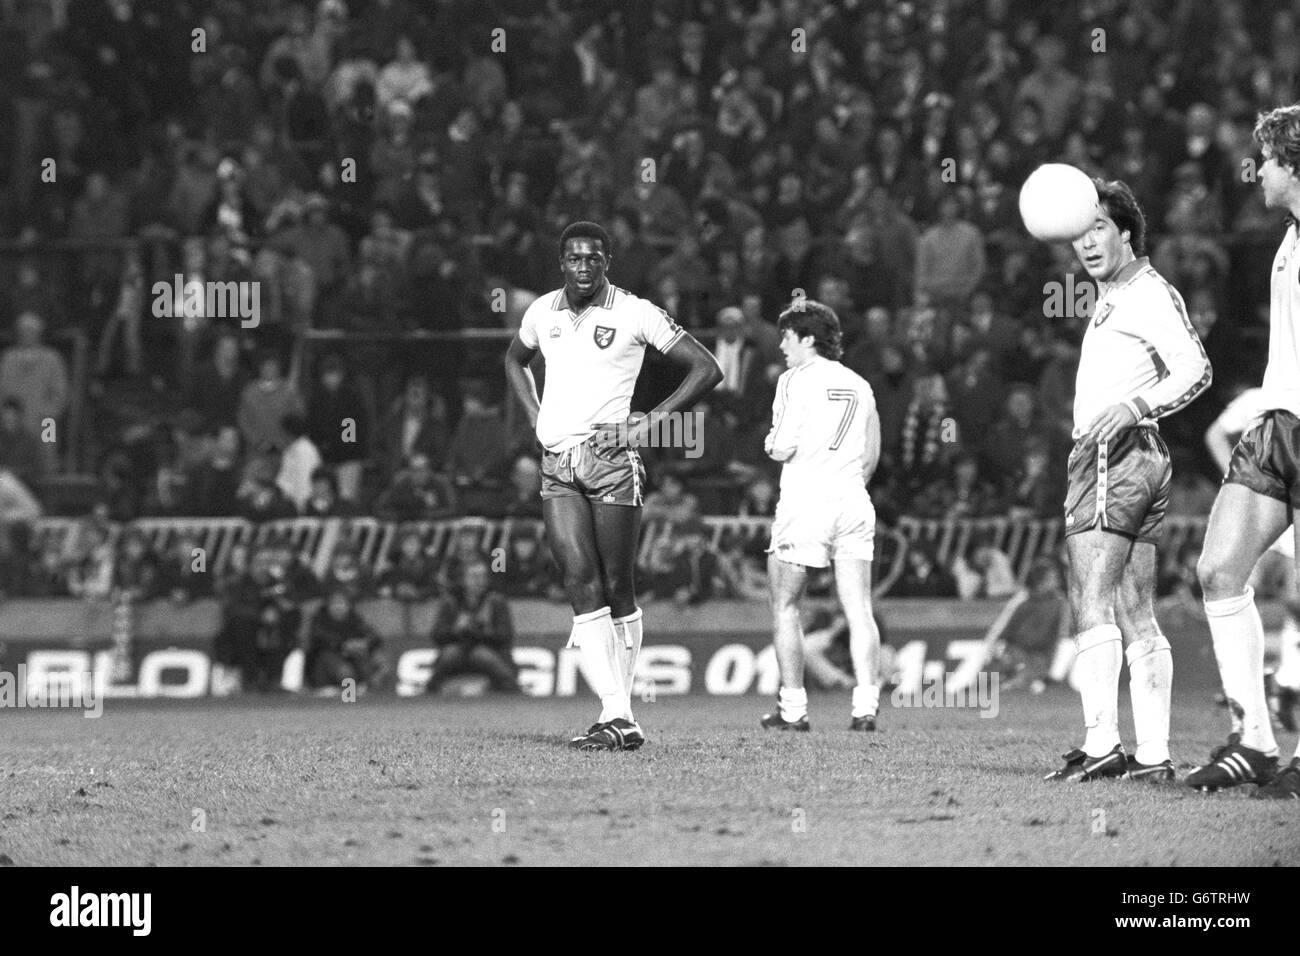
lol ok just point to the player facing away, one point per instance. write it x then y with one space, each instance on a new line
826 433
1141 360
593 336
1258 498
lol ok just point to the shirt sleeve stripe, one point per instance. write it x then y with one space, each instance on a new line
1207 373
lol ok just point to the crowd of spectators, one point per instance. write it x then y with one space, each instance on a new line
391 166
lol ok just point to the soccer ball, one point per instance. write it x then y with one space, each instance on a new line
1058 202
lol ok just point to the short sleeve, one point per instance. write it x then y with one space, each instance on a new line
528 328
657 328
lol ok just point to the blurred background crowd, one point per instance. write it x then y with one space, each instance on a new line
394 176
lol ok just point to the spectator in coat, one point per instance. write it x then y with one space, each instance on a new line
214 485
324 500
412 577
338 425
263 406
416 423
480 448
417 494
474 633
36 375
949 258
696 573
341 646
923 576
259 498
218 386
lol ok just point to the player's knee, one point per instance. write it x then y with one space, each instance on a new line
618 585
1217 577
585 593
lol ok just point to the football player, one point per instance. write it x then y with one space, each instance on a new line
1258 499
593 336
826 433
1140 361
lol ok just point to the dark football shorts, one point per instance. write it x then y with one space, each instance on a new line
595 470
1121 486
1267 458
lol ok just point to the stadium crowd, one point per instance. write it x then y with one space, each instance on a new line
384 170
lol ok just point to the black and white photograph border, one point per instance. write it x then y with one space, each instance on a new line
414 448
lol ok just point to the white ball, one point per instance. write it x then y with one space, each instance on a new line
1058 202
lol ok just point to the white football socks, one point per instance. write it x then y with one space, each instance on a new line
1238 637
793 703
593 634
866 700
1150 684
1096 667
627 648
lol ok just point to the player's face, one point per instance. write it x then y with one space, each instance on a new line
1281 188
583 263
1102 248
796 351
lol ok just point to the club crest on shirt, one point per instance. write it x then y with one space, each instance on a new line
555 331
603 335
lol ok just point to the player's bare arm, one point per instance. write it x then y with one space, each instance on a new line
518 358
702 376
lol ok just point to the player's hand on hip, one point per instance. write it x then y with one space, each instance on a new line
1111 422
638 430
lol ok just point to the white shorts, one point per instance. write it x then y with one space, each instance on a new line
814 531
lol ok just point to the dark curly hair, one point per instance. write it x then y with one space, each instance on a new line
1279 131
807 317
587 230
1119 203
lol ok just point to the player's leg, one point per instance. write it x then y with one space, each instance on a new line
611 479
786 583
1150 664
1243 523
1096 562
570 530
618 532
853 587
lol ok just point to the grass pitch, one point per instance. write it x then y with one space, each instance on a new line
489 781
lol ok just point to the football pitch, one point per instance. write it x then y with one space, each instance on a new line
488 781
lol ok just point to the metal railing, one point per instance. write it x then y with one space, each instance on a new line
375 542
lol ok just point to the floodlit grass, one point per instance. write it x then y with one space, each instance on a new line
284 780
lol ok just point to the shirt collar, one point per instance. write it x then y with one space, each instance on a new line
604 301
1128 273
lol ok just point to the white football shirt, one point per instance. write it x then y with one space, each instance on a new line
822 410
1139 347
1282 376
592 359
